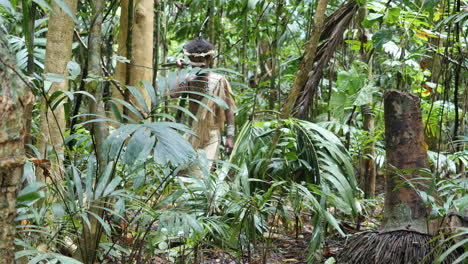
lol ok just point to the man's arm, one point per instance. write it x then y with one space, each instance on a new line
230 120
181 85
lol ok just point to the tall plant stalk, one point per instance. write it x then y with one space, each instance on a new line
99 130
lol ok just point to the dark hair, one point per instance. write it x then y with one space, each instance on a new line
198 46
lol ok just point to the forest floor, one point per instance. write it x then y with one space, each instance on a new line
285 244
283 247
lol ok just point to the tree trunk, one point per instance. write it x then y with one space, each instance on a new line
404 235
92 234
141 55
404 140
99 129
461 166
245 35
58 54
368 169
16 102
307 62
211 20
156 41
121 68
142 45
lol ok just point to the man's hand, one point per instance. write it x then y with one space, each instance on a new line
181 63
229 145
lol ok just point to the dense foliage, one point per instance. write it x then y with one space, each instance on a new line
135 186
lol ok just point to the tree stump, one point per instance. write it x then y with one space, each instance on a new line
403 236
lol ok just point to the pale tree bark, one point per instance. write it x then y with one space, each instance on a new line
16 102
58 54
140 52
307 61
121 68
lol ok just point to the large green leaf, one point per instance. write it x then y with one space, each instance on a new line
7 5
365 94
381 37
171 146
139 140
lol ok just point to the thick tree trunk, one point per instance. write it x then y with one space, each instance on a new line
404 140
141 57
58 54
142 41
15 105
404 235
121 68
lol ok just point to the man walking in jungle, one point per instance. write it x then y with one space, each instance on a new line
212 119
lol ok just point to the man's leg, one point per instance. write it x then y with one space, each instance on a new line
211 152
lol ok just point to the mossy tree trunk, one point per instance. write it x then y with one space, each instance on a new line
58 54
406 153
16 102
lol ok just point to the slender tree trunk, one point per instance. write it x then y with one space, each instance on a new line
212 25
136 46
463 125
92 234
404 140
32 19
274 46
99 129
30 38
245 35
16 102
220 36
157 35
307 62
58 54
368 168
